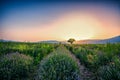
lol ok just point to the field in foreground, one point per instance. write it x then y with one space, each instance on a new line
38 61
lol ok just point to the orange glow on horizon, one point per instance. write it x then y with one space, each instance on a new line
59 21
71 25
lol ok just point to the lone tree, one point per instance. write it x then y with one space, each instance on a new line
71 40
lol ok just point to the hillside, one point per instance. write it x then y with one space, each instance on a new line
100 41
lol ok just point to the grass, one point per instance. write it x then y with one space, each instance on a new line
15 66
59 65
97 58
100 60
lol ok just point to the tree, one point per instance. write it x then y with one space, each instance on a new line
71 40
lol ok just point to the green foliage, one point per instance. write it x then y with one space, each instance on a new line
15 66
101 60
97 58
86 57
59 66
110 71
71 40
35 50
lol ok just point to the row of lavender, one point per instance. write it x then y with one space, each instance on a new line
38 61
19 61
101 60
31 61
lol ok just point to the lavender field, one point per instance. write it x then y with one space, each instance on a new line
40 61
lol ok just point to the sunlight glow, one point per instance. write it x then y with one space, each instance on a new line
60 22
76 26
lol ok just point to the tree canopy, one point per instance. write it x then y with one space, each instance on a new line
71 40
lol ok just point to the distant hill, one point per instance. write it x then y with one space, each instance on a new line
100 41
90 41
53 42
49 41
2 40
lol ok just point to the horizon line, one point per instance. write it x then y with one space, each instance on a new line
56 39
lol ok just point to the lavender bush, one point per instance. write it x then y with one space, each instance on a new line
15 66
59 66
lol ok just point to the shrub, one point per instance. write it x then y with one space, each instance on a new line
15 66
58 66
110 71
86 57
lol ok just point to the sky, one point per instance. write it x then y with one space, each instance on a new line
59 20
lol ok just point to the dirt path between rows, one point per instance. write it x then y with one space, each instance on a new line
85 74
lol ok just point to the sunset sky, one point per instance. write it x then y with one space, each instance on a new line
59 20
